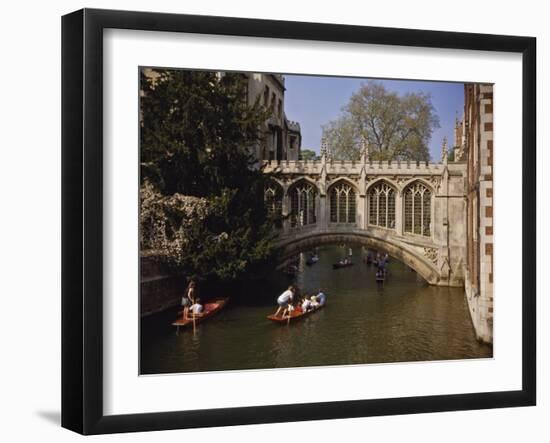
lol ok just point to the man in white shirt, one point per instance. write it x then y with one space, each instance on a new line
285 299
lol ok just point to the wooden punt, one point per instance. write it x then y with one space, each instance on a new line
210 309
296 314
341 265
312 260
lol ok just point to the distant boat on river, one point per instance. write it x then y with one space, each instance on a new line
342 264
314 258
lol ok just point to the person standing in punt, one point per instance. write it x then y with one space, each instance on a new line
188 299
381 264
285 299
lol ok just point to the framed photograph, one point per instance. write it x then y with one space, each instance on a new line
269 221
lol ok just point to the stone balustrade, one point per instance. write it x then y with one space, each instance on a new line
356 167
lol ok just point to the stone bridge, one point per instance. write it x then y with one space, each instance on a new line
414 211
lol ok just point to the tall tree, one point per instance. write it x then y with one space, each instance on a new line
197 131
202 196
394 126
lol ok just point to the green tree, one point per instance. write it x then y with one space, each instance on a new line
394 126
197 134
197 131
308 154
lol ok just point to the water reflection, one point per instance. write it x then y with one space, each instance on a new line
403 319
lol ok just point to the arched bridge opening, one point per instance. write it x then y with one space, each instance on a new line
289 247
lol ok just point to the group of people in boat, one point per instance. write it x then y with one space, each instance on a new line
306 303
345 261
191 303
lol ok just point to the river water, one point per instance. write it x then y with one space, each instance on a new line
404 319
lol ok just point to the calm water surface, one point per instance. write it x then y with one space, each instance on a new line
364 322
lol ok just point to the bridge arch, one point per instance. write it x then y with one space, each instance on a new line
429 231
309 240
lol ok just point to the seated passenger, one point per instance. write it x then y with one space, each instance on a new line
306 304
196 309
314 302
321 297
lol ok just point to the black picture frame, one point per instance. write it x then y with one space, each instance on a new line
82 218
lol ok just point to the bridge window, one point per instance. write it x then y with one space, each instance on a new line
342 204
381 199
418 214
302 204
273 199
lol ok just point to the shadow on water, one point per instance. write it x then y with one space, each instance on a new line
402 319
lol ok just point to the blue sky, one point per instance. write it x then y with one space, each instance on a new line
314 101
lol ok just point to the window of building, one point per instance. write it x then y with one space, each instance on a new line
342 203
418 213
280 109
266 96
381 198
273 200
302 204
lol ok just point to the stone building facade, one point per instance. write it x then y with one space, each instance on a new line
281 137
476 148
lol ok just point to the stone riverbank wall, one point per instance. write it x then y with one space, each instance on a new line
159 290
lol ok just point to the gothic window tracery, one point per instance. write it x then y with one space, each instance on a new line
381 198
273 200
302 204
342 203
417 209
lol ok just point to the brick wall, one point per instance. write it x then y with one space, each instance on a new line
478 114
